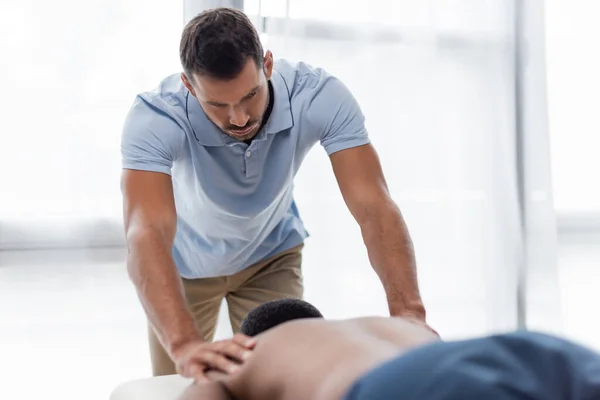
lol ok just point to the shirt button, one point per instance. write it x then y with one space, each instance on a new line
248 154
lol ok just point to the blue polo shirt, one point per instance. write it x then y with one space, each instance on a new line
235 203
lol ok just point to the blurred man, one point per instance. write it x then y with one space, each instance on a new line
209 159
301 356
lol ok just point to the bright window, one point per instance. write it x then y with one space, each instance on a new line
573 62
442 15
69 72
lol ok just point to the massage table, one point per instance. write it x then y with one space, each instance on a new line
168 387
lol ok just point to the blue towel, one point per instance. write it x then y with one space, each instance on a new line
519 365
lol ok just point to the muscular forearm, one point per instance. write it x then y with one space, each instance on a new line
392 256
153 272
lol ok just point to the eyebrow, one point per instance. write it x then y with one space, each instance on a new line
216 103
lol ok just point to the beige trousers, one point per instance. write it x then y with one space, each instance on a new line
277 277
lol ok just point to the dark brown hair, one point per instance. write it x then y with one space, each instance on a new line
218 43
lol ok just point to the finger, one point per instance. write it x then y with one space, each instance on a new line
243 340
214 375
199 376
233 350
190 368
217 361
186 370
209 360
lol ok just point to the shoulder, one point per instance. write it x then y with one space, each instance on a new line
306 81
316 95
161 110
167 100
153 134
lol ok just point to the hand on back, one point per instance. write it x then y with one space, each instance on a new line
193 359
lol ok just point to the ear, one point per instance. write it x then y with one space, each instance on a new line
187 84
268 64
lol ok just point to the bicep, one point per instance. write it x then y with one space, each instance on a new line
148 203
151 142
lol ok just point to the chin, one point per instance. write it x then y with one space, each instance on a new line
245 137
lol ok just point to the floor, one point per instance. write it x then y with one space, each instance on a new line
71 322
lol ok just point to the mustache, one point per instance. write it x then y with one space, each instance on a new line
236 128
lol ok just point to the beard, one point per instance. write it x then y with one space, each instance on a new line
242 134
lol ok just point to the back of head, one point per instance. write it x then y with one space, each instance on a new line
273 313
217 43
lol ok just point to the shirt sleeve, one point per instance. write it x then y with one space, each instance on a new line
338 117
151 140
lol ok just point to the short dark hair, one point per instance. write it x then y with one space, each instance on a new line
275 312
218 43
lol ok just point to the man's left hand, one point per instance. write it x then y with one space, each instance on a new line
417 318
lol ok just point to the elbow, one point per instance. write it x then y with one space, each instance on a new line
142 242
377 213
135 245
135 236
139 234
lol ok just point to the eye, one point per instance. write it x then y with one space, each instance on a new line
251 95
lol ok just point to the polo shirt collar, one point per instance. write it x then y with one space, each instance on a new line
281 114
208 134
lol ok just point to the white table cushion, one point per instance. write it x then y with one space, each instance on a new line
168 387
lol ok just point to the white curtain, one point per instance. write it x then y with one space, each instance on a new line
69 72
573 62
439 83
573 96
542 305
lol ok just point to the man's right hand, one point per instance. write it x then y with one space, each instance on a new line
194 358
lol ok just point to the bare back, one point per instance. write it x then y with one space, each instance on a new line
320 359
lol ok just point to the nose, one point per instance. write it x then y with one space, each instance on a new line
238 116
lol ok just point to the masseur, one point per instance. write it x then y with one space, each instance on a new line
390 358
209 158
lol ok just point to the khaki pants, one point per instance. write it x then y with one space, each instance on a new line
277 277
